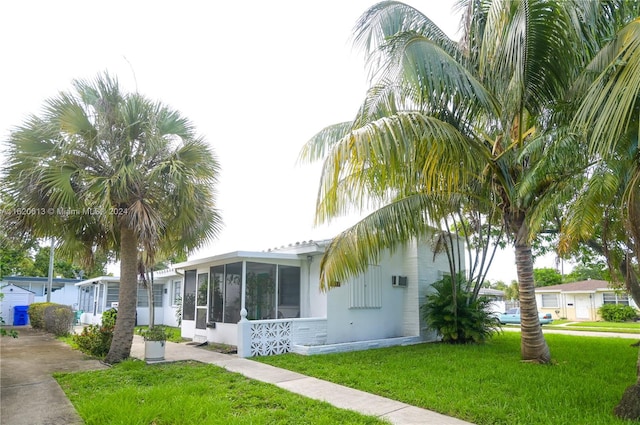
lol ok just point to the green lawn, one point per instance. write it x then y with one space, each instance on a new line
191 393
624 327
489 384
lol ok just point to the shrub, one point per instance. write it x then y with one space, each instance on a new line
95 340
459 319
36 314
109 318
617 313
58 319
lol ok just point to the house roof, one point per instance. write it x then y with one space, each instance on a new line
581 286
491 291
94 280
37 279
11 287
294 251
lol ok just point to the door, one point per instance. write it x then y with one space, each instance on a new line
583 307
200 334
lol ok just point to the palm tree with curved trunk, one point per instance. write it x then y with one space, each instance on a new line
470 121
106 170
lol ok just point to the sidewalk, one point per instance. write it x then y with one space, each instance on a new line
347 398
30 396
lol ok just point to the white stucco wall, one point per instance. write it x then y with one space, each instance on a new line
345 324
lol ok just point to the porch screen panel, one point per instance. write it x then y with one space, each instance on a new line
189 298
232 292
260 299
288 291
216 294
365 291
101 290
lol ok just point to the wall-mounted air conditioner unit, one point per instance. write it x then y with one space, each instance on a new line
400 281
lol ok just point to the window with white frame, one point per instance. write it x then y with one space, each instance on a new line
143 297
365 291
614 298
176 290
549 300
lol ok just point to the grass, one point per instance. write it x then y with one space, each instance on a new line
619 327
489 384
191 393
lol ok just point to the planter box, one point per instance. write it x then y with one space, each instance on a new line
154 350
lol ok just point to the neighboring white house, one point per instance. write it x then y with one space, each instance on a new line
270 302
497 305
101 293
579 300
14 296
63 291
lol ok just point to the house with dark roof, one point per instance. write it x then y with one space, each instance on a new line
580 300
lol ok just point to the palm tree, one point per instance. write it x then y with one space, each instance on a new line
103 170
609 116
471 121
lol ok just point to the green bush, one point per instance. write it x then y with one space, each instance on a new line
95 340
617 313
109 318
58 319
36 314
459 319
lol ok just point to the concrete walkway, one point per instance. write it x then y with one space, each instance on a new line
347 398
30 396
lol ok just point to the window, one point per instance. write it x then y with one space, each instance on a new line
365 291
288 291
613 298
260 300
549 300
176 290
189 298
216 294
143 296
113 293
232 291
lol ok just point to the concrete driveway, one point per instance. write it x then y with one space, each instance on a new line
28 393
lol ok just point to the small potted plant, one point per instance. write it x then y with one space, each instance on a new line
155 339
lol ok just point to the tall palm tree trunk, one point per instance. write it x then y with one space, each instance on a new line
533 345
126 320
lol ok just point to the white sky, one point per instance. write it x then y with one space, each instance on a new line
257 78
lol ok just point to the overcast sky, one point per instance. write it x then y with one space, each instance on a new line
257 78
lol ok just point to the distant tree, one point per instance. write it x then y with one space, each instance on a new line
546 276
511 292
582 272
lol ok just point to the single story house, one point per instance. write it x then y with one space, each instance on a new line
497 305
579 300
63 290
99 294
270 302
13 296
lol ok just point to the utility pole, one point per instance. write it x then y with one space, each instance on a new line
50 280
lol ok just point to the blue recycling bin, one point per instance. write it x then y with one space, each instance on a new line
20 315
